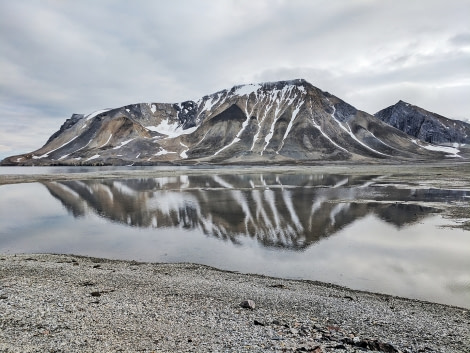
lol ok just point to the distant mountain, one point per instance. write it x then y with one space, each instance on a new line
275 122
424 125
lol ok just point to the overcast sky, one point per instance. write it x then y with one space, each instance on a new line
60 57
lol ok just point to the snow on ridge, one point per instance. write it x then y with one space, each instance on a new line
92 115
247 89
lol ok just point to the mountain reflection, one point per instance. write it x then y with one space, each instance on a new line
288 211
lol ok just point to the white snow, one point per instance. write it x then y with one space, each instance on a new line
383 143
237 137
302 89
153 108
137 156
210 103
183 154
247 89
55 149
289 127
123 143
128 110
267 108
109 138
92 157
162 152
279 98
171 130
451 151
64 156
349 131
325 135
235 140
92 115
359 141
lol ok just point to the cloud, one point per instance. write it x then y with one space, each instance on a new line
60 58
461 39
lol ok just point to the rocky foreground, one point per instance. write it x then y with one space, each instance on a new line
60 303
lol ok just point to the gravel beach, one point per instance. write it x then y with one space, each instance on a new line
65 303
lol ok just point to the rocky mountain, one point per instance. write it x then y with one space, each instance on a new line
424 125
275 122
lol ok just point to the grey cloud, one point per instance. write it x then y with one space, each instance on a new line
461 39
60 58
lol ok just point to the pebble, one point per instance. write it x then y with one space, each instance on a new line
248 304
46 306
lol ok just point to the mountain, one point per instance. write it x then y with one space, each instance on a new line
274 122
424 125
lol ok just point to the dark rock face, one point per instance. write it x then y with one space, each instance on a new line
187 112
424 125
274 122
66 125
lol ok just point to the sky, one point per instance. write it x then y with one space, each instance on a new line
59 57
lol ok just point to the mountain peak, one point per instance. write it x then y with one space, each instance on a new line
247 89
425 125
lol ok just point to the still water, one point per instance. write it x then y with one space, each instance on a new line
356 231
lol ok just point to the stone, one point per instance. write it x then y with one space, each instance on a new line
248 304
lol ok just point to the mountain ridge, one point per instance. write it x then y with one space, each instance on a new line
425 125
272 122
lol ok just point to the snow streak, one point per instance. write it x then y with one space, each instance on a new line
291 122
349 131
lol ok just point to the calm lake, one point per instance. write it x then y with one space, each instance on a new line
355 231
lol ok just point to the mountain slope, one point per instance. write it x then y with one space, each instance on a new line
280 122
427 126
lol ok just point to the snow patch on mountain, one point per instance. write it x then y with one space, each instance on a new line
123 143
163 152
451 151
47 154
289 127
246 90
171 130
92 115
93 157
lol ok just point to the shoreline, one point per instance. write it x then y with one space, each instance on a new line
80 304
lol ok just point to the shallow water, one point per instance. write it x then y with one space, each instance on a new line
356 231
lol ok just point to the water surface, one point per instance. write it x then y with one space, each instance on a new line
356 231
